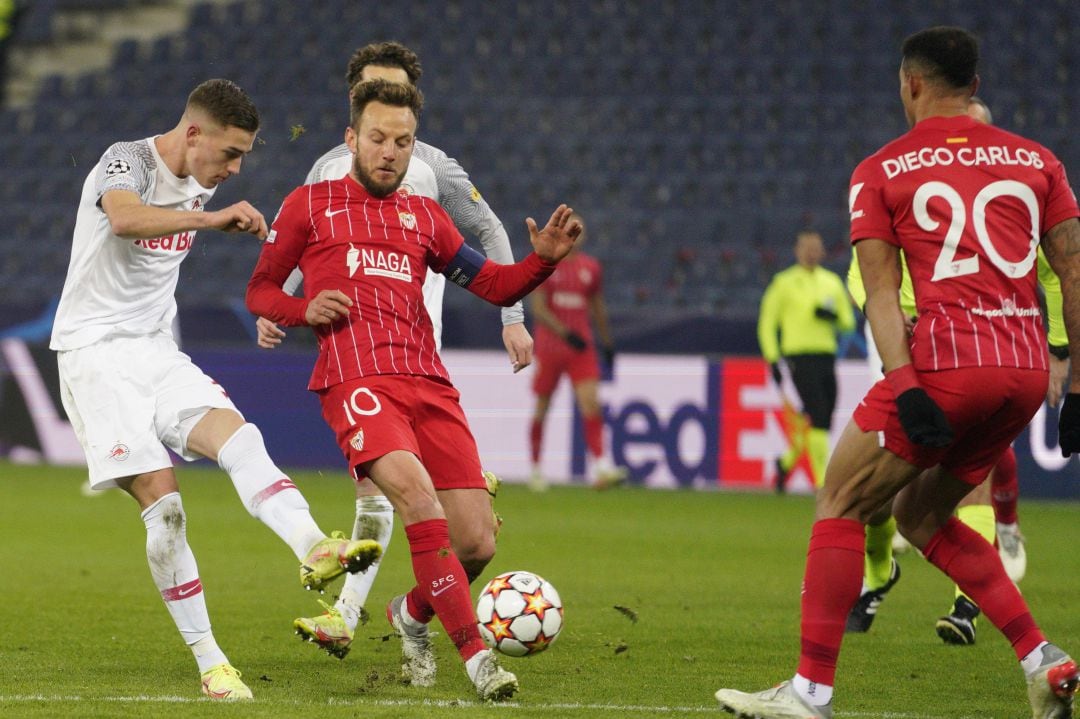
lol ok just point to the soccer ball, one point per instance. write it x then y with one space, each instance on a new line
519 613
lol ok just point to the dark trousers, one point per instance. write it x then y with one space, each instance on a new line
814 376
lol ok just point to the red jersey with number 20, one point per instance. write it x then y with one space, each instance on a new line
967 203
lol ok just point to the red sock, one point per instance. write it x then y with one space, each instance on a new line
442 589
536 437
1005 488
973 564
594 435
831 586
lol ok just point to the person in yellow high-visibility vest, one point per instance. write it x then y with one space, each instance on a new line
803 310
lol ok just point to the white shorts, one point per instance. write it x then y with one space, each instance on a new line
129 398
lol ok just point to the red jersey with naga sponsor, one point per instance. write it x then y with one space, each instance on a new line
967 203
567 294
377 251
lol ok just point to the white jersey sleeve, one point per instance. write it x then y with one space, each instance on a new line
125 166
470 213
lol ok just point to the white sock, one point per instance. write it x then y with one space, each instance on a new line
267 493
473 664
812 693
407 618
1033 660
374 520
172 565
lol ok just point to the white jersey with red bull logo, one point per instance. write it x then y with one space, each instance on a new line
119 287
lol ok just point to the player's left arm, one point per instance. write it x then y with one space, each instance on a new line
1061 245
505 284
471 213
1056 339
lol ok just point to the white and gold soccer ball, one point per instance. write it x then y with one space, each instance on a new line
519 613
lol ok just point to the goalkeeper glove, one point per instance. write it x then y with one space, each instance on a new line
1069 425
575 340
920 416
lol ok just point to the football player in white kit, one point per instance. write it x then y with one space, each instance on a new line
129 392
431 174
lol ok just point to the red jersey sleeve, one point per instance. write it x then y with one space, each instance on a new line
280 255
871 217
499 284
1060 199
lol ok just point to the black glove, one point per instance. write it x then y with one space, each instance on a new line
778 378
923 420
607 363
824 313
1069 425
575 340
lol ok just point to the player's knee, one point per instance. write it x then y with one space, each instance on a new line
474 553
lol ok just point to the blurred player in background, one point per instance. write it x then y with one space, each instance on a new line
563 308
990 509
130 393
431 174
365 249
962 387
807 306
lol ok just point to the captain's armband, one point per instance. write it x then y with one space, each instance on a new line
463 267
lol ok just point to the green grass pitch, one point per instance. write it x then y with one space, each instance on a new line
712 577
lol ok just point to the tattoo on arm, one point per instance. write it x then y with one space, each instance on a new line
1062 241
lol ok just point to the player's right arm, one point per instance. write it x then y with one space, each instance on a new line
131 219
878 251
280 256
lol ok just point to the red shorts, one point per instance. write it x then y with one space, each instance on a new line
374 416
551 364
987 407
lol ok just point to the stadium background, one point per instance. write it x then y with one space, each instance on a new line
696 136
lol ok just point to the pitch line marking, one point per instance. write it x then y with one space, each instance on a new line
439 703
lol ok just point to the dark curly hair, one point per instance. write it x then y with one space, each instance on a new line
384 54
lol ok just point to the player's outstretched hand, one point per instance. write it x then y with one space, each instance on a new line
556 239
1069 425
269 335
239 217
922 419
519 345
327 307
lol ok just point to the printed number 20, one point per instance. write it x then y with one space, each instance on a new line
947 266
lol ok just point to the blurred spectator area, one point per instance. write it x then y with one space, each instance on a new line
696 136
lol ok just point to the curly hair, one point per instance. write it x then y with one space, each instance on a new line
383 54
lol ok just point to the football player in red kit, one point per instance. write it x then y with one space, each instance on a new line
364 249
967 203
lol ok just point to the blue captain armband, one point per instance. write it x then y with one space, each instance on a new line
463 267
